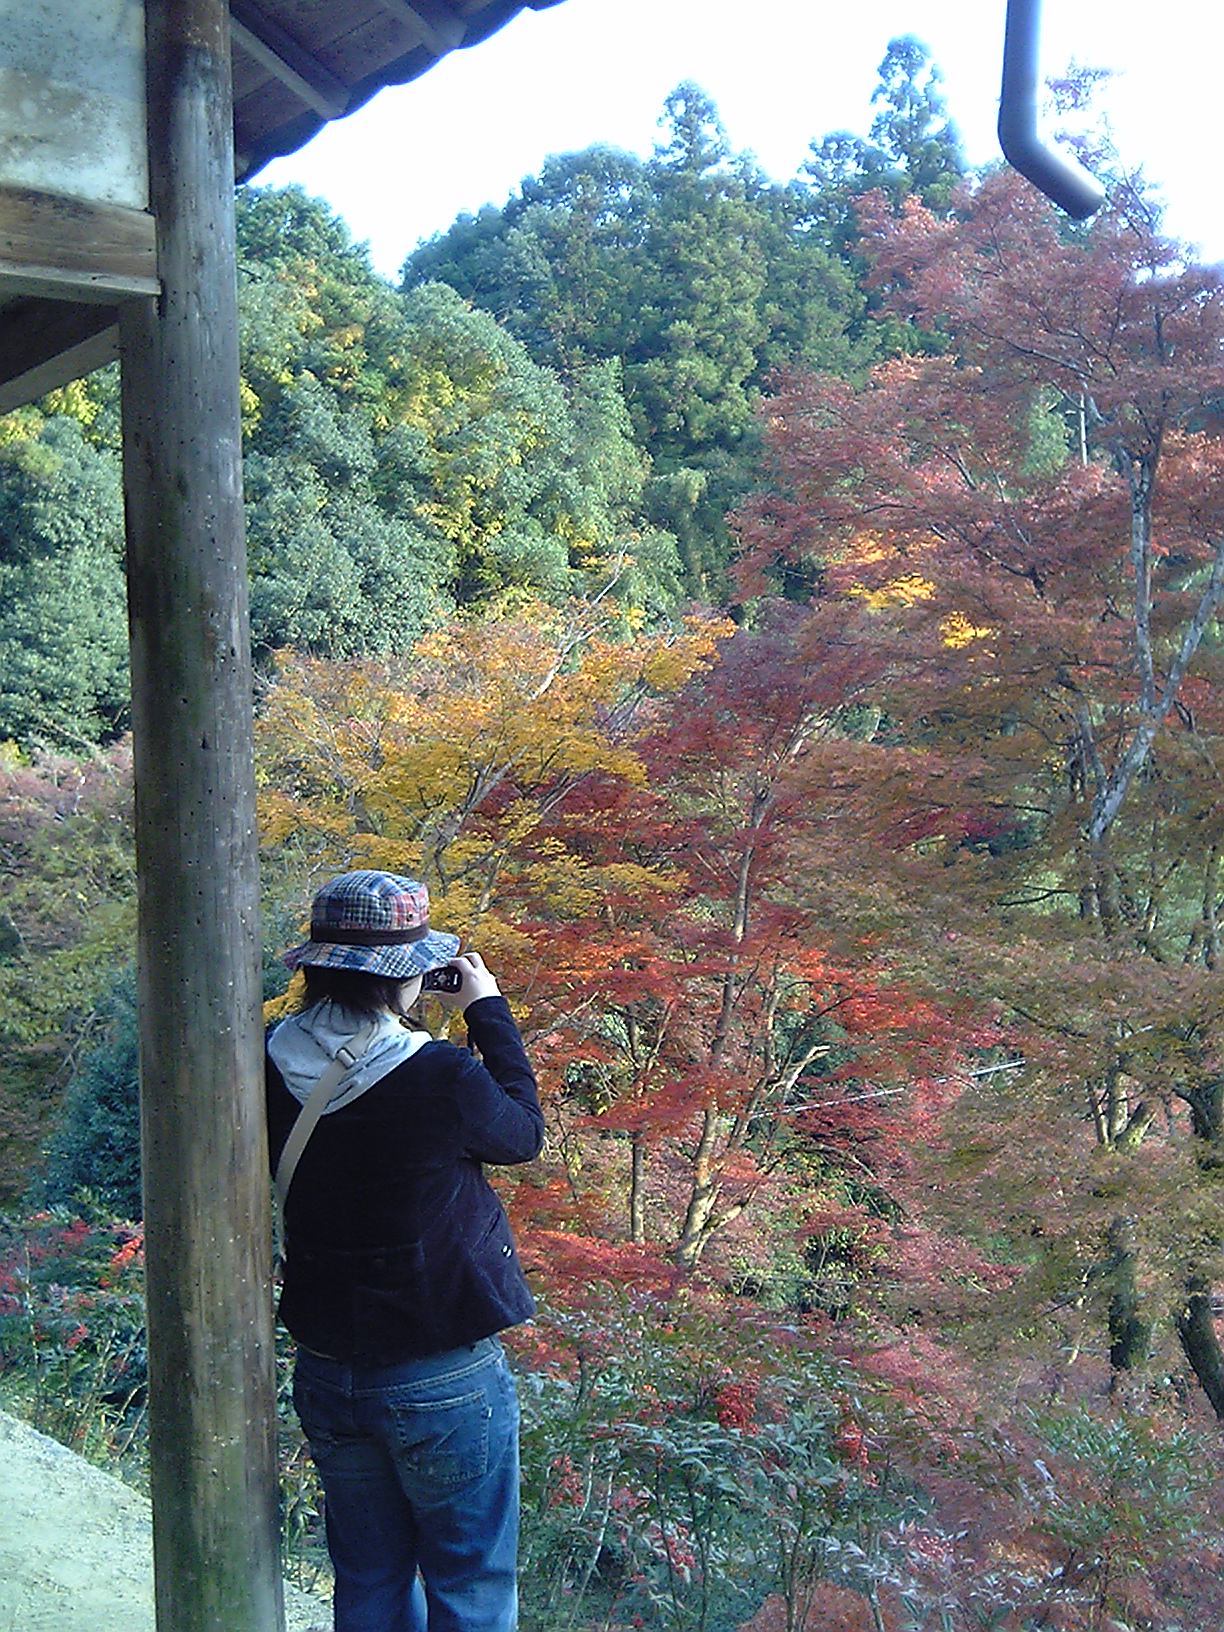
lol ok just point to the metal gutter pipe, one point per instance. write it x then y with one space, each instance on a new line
1063 182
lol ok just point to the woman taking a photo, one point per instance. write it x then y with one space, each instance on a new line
400 1268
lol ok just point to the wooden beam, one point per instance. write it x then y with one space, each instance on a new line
267 42
212 1411
46 343
440 27
66 247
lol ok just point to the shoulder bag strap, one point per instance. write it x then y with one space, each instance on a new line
309 1115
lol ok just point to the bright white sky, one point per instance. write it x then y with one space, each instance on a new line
782 72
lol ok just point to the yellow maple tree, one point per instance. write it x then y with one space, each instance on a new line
442 764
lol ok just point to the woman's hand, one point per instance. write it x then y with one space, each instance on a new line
478 982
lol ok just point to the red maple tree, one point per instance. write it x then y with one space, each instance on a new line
1032 511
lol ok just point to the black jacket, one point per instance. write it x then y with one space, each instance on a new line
395 1243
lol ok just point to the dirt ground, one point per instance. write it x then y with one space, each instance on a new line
76 1547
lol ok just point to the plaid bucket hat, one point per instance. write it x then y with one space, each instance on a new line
375 922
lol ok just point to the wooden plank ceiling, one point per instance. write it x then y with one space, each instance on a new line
296 65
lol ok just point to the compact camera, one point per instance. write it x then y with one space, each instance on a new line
446 979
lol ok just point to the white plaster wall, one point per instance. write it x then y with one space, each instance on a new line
72 99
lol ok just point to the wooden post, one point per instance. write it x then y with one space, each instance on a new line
212 1417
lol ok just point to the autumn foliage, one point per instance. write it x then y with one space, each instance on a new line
868 950
1032 518
867 943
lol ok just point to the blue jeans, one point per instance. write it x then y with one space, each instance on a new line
420 1469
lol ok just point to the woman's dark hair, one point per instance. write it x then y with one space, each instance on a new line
351 989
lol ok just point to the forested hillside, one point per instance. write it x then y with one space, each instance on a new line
405 458
407 455
702 276
782 624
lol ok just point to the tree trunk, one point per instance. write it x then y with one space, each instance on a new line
703 1197
1105 890
1129 1334
1196 1329
1195 1326
637 1189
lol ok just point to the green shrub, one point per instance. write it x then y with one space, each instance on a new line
679 1468
96 1147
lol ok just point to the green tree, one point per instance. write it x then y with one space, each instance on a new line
914 149
96 1145
69 901
340 561
692 269
556 264
701 286
912 128
63 622
406 454
696 141
842 167
611 479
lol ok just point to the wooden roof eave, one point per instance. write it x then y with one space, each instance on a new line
427 31
65 265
